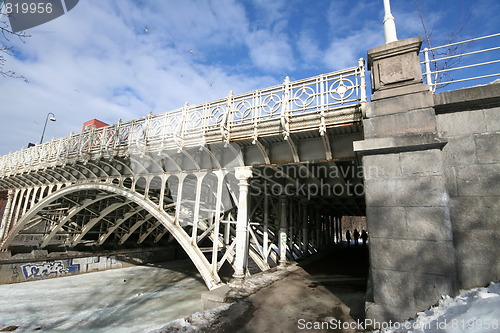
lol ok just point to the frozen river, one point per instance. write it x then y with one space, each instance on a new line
135 299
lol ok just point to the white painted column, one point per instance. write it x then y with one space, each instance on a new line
33 197
164 179
265 240
283 231
178 199
243 174
318 228
340 228
6 214
27 195
196 212
305 231
18 207
218 206
292 223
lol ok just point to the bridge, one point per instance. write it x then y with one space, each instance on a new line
254 181
224 179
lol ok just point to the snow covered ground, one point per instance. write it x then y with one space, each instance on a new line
135 299
144 299
203 319
473 311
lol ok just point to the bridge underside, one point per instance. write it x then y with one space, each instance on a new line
300 187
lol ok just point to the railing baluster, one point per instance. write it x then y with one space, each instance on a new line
451 52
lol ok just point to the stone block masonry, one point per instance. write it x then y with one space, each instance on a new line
471 126
432 206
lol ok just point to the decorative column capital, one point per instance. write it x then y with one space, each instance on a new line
243 173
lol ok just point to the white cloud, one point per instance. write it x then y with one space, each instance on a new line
271 52
345 52
308 48
98 62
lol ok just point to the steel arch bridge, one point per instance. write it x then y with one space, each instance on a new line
250 181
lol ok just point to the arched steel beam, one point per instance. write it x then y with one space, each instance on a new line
134 228
16 181
145 235
89 225
211 278
138 173
155 162
92 163
80 165
191 158
11 183
3 183
238 154
124 166
160 236
29 178
212 156
87 202
118 223
177 166
118 174
263 150
60 173
72 168
45 174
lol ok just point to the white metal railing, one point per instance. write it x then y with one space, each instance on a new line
463 61
221 117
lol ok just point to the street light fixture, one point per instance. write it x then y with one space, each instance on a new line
52 118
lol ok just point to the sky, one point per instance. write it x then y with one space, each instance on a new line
122 59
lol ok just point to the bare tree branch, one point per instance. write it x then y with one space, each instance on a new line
6 50
439 66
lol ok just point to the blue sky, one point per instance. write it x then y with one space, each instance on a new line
121 59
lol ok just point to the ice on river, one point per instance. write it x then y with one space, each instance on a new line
134 299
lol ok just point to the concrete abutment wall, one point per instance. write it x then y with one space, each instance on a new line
432 193
39 265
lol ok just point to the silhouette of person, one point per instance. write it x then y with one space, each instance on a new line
356 237
364 236
348 237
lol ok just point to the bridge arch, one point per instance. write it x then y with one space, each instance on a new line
195 254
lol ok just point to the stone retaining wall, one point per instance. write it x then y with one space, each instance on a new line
13 270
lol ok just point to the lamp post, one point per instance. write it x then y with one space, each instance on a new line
52 118
389 24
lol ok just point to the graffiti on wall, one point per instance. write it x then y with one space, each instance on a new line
48 269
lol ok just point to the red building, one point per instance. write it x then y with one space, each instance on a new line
3 202
94 123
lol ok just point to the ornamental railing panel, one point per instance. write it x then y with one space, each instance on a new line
216 121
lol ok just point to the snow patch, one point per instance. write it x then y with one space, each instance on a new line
473 311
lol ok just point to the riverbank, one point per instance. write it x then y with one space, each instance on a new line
124 300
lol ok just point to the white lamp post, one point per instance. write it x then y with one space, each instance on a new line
389 24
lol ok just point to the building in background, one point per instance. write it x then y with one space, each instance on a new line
94 123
